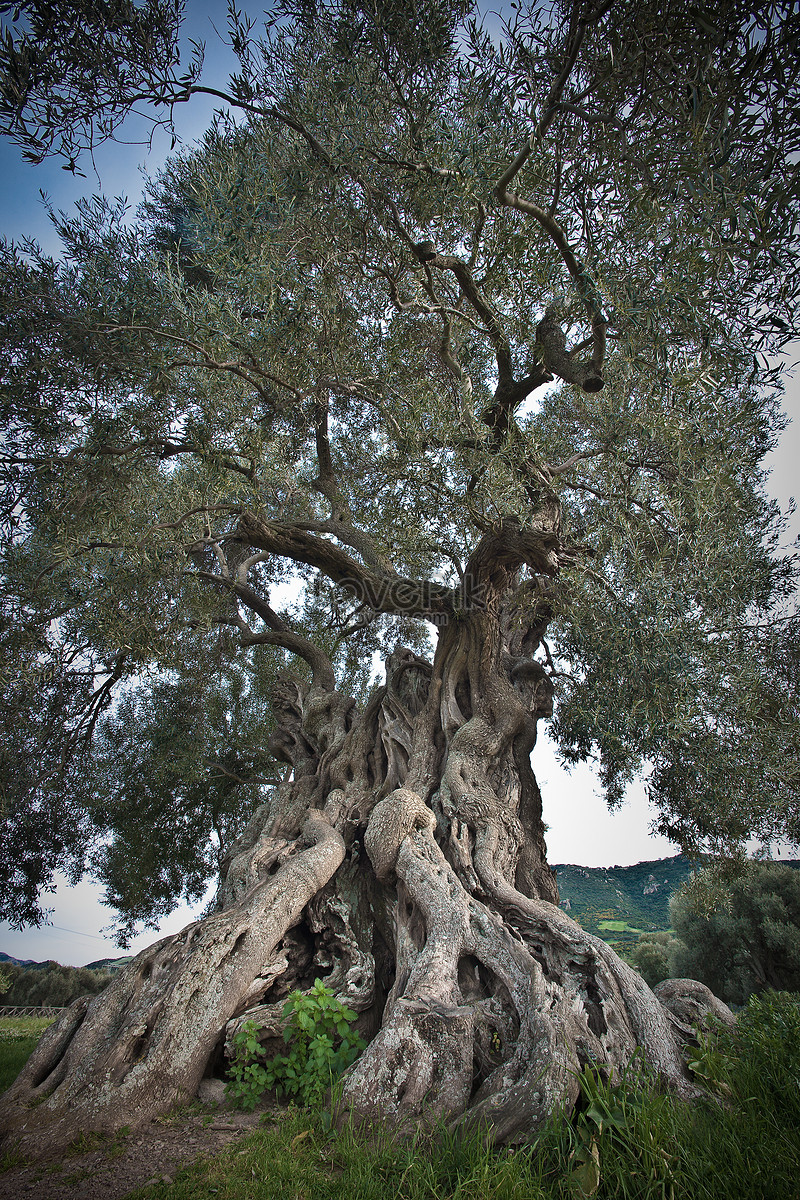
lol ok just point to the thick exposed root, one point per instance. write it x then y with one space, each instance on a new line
143 1044
691 1007
491 1021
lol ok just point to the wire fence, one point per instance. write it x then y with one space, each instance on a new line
28 1010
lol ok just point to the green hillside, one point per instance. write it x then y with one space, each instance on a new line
108 964
619 903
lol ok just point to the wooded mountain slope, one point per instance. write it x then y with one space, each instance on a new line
619 903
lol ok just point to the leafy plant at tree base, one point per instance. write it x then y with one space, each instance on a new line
707 1060
248 1078
609 1127
321 1046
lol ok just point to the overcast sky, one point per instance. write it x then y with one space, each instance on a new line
581 830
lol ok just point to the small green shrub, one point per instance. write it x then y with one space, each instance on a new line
652 956
248 1079
321 1046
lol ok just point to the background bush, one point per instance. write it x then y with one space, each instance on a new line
51 984
740 935
653 955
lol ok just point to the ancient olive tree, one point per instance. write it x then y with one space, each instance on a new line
447 349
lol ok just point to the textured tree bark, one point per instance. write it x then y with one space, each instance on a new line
404 862
142 1045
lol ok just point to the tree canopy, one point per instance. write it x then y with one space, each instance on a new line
740 935
429 306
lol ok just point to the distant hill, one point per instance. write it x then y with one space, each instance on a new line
108 964
619 903
30 964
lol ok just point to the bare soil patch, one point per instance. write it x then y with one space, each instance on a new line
115 1168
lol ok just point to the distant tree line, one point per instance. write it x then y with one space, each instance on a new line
50 985
738 934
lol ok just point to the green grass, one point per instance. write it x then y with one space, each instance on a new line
295 1158
18 1039
629 1141
618 927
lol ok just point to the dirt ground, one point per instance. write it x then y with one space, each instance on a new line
152 1153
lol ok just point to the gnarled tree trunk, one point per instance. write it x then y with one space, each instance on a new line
403 861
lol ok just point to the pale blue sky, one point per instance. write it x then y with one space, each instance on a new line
116 169
581 829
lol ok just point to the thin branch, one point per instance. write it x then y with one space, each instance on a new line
462 377
491 322
583 281
325 482
340 523
570 462
233 368
215 765
102 697
261 111
279 632
591 118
